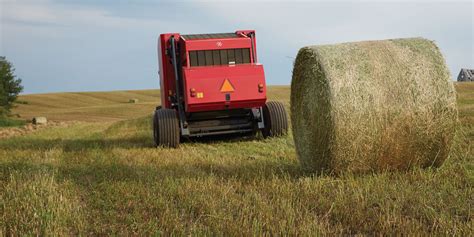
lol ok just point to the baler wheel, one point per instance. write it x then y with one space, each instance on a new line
166 128
276 122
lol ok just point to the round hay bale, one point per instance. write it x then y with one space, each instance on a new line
40 120
133 101
372 106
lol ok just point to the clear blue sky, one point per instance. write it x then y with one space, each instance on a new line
94 45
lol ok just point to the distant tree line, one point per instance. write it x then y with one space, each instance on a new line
10 86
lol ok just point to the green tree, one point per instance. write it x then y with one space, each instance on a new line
10 86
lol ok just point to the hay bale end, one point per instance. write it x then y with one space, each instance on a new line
372 106
39 120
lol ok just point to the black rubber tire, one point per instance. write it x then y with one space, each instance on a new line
275 119
166 128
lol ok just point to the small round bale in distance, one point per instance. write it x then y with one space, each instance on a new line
133 101
39 120
372 106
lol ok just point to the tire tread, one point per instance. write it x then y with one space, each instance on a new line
276 121
167 128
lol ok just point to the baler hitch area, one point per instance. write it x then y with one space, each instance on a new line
212 84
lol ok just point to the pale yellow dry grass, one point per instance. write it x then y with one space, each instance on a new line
88 106
106 178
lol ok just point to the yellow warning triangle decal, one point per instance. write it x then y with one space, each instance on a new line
227 87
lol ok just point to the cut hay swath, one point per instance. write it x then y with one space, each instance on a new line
372 106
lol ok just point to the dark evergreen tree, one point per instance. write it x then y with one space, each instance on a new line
10 86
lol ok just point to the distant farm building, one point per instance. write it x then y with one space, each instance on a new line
466 75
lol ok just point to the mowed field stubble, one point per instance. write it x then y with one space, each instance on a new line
102 175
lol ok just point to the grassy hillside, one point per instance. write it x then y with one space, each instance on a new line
103 176
88 106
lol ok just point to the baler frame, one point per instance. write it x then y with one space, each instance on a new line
179 98
247 113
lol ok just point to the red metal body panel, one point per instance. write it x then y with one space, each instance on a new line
167 81
209 44
208 80
244 79
215 44
246 32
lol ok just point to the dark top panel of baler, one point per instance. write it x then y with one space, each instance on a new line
210 36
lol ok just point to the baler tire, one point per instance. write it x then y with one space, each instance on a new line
166 128
275 119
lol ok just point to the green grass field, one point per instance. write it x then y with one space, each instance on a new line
8 122
102 175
